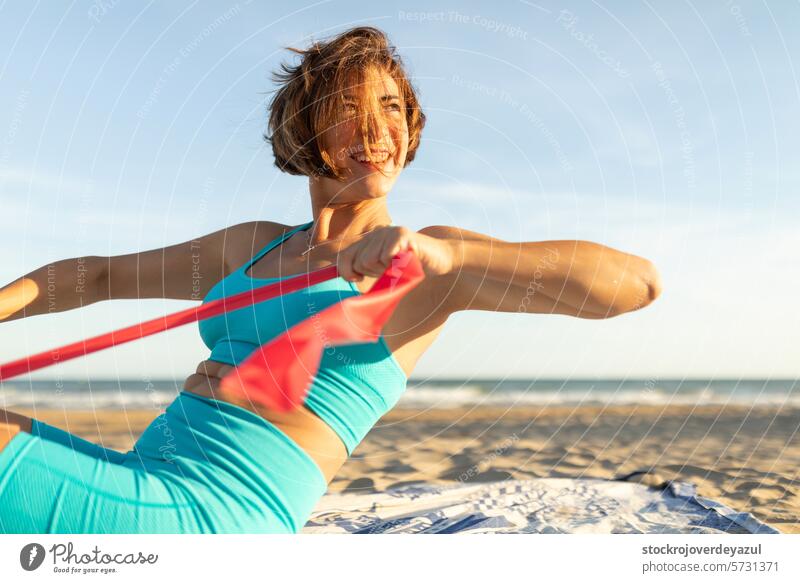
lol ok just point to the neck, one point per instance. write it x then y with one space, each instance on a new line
346 219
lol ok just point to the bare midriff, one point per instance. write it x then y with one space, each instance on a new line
302 425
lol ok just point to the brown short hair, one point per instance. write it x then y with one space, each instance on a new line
309 99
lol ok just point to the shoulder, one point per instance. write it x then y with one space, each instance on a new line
447 232
243 240
258 229
438 231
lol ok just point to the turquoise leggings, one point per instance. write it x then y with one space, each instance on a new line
202 466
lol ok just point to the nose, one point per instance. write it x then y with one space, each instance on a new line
378 130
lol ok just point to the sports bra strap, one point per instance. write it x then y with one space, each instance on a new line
274 243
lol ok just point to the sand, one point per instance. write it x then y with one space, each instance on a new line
746 458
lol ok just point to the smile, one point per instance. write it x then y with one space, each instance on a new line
378 159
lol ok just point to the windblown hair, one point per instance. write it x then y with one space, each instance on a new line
310 100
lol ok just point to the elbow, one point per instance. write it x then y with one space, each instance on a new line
624 283
650 282
644 289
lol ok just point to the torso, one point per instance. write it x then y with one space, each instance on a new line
409 332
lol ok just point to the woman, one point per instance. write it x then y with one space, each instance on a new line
348 119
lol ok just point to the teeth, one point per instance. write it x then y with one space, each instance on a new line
377 159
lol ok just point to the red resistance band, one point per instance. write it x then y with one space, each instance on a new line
279 373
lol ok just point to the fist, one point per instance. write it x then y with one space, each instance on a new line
372 254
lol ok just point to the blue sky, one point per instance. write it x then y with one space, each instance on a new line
666 130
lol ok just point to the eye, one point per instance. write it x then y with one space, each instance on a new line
395 106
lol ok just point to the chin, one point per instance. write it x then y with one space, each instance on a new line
373 185
376 185
363 189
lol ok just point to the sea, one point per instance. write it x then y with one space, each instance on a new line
435 393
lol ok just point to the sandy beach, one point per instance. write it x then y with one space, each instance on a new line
746 458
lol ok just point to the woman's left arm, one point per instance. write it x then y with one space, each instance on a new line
572 277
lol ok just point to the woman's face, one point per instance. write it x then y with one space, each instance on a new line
388 136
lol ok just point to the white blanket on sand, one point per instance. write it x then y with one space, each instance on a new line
545 505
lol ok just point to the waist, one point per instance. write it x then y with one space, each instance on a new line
302 425
245 474
353 387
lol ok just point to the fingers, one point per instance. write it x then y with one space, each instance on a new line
202 383
404 241
344 264
213 368
372 256
369 260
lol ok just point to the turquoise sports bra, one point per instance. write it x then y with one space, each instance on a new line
356 384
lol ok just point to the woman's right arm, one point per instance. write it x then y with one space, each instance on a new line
186 271
55 287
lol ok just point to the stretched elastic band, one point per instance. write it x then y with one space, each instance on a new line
296 353
164 323
279 373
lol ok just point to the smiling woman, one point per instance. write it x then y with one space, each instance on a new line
347 118
355 87
342 118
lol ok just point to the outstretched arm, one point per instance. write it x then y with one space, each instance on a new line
58 286
571 277
182 271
